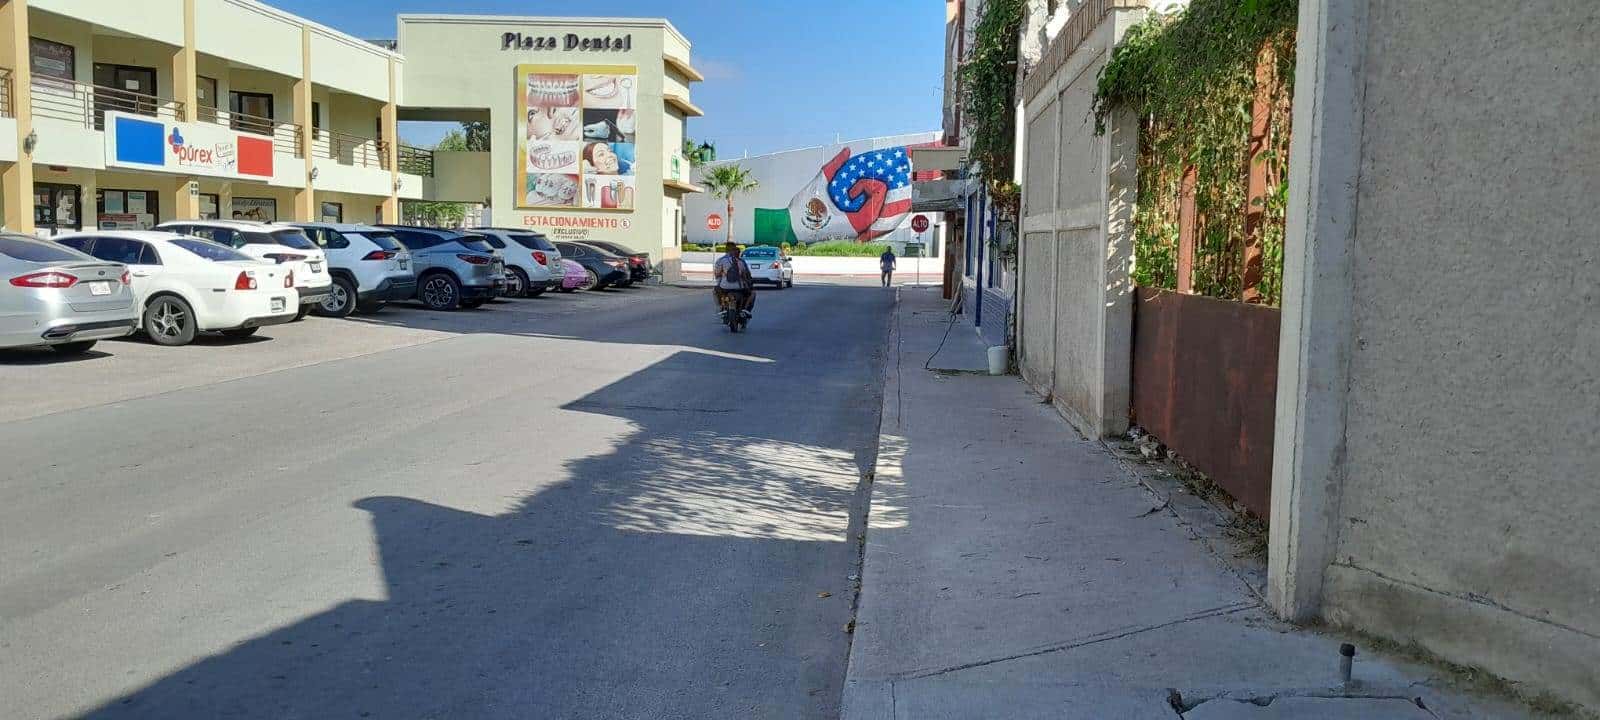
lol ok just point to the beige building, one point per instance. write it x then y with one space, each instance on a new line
133 113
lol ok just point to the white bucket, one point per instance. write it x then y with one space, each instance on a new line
998 360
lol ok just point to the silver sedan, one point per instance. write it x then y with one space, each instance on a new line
52 295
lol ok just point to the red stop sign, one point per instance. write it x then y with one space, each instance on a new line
713 222
919 223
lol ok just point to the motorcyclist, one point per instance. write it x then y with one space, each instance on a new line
733 277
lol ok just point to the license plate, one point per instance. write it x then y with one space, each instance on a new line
277 304
316 267
99 288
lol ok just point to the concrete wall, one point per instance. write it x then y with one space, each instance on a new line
1438 400
1076 249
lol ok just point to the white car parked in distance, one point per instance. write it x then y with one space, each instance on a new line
533 264
769 265
369 266
186 285
281 244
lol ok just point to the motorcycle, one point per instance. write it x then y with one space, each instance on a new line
735 318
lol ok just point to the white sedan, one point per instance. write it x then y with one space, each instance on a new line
185 285
768 265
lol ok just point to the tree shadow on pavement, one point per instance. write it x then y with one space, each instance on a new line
696 568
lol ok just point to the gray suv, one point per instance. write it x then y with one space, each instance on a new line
454 269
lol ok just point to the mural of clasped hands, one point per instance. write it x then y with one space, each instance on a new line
854 197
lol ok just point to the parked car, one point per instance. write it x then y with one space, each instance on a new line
454 269
281 244
369 267
61 298
768 265
601 269
573 276
638 262
533 264
183 285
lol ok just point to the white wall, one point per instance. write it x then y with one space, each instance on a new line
154 19
272 43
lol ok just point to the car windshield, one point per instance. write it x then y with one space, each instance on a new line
475 242
210 250
36 251
534 242
383 239
293 238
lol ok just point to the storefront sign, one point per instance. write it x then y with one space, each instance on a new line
259 209
569 227
570 41
144 143
577 125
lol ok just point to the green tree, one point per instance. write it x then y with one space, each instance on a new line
440 214
475 136
726 181
699 153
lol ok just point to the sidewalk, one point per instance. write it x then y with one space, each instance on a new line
1013 569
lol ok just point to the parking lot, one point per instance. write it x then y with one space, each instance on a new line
40 381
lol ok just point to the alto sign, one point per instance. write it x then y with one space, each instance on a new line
713 222
919 223
146 143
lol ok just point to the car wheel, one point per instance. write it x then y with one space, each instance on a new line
341 299
240 333
440 292
169 321
73 348
302 312
591 281
516 283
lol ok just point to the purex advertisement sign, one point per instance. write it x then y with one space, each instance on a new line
146 143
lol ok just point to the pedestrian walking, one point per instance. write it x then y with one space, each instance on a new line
886 264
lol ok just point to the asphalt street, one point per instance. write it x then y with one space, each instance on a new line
591 506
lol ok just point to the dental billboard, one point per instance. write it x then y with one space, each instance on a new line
575 136
145 143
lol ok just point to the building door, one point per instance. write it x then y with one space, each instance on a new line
124 88
57 208
127 209
252 112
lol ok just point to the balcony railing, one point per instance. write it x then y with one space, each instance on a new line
416 161
285 135
7 93
347 149
77 102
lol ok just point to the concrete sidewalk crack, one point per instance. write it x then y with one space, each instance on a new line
1073 644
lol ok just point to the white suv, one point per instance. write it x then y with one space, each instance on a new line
280 244
369 266
533 264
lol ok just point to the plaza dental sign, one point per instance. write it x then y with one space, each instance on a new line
570 41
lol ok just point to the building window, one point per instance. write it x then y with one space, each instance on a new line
259 209
210 206
52 60
205 96
333 212
258 109
126 209
55 207
316 119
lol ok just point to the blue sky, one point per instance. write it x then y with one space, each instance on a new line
779 74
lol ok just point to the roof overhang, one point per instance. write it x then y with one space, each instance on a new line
683 105
681 186
938 158
682 67
938 195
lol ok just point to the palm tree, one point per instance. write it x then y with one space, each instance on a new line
725 181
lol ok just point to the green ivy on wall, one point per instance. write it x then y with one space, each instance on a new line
1191 78
988 90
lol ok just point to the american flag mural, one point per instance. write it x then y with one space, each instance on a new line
855 196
